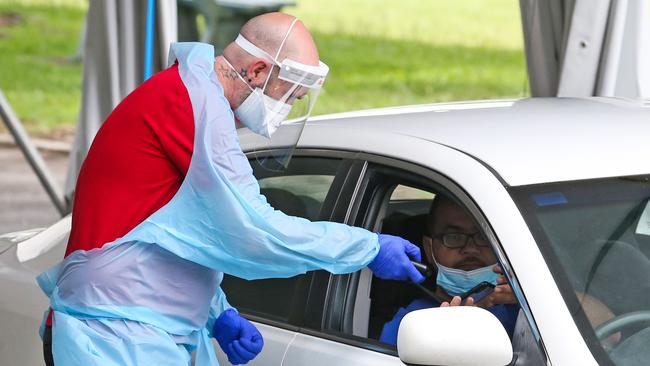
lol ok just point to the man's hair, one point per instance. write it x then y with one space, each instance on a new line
438 199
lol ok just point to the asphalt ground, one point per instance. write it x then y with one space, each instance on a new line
24 204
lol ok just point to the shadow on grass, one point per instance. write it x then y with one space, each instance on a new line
370 72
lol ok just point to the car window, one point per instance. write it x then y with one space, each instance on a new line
595 236
404 216
406 193
300 190
398 202
297 195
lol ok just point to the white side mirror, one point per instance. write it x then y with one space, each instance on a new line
459 335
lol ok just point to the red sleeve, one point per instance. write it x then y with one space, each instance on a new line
136 163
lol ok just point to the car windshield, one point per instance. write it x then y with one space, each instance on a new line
595 236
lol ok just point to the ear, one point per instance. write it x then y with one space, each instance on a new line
257 71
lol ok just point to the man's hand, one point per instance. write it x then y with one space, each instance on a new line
502 292
237 337
393 263
456 301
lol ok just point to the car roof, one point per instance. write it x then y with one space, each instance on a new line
527 141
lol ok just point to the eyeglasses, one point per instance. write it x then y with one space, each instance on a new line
459 240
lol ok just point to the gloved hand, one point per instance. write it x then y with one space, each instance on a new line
393 263
237 337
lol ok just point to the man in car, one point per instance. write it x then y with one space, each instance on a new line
455 245
166 203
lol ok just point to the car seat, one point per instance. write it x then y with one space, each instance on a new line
285 201
619 277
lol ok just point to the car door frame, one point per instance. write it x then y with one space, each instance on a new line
562 345
363 212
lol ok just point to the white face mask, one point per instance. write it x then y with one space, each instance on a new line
259 112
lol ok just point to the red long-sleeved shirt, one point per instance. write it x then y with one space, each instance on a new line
135 164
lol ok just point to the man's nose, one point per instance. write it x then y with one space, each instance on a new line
470 247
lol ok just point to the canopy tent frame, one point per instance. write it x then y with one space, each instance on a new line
32 155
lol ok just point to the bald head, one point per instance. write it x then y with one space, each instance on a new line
267 31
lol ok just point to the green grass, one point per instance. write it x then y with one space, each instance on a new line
387 73
385 53
42 86
480 23
381 53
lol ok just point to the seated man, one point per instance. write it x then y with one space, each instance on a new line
464 259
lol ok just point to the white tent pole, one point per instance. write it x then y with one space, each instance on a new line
612 49
579 72
643 57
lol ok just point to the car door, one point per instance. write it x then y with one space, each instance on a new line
313 186
392 197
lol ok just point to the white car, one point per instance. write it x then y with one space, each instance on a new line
559 186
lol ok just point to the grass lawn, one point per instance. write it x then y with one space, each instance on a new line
384 53
36 40
380 52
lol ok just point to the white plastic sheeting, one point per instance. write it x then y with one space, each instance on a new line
587 47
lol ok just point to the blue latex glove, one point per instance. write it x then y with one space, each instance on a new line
237 337
393 263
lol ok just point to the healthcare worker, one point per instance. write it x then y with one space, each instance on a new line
166 203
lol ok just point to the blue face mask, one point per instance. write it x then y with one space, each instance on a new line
457 282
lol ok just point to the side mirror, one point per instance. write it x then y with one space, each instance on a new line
458 335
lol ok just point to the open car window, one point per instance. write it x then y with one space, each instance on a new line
396 201
405 216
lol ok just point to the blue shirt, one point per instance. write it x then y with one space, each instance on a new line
507 314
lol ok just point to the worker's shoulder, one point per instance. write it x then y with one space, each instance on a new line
165 82
162 96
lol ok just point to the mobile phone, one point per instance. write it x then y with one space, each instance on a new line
478 292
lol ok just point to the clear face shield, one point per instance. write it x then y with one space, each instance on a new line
277 112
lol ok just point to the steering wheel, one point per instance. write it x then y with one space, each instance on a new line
620 322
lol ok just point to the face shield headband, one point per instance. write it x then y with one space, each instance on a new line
292 71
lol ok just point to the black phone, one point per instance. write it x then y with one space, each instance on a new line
478 292
425 269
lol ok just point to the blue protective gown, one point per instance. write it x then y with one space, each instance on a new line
152 296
